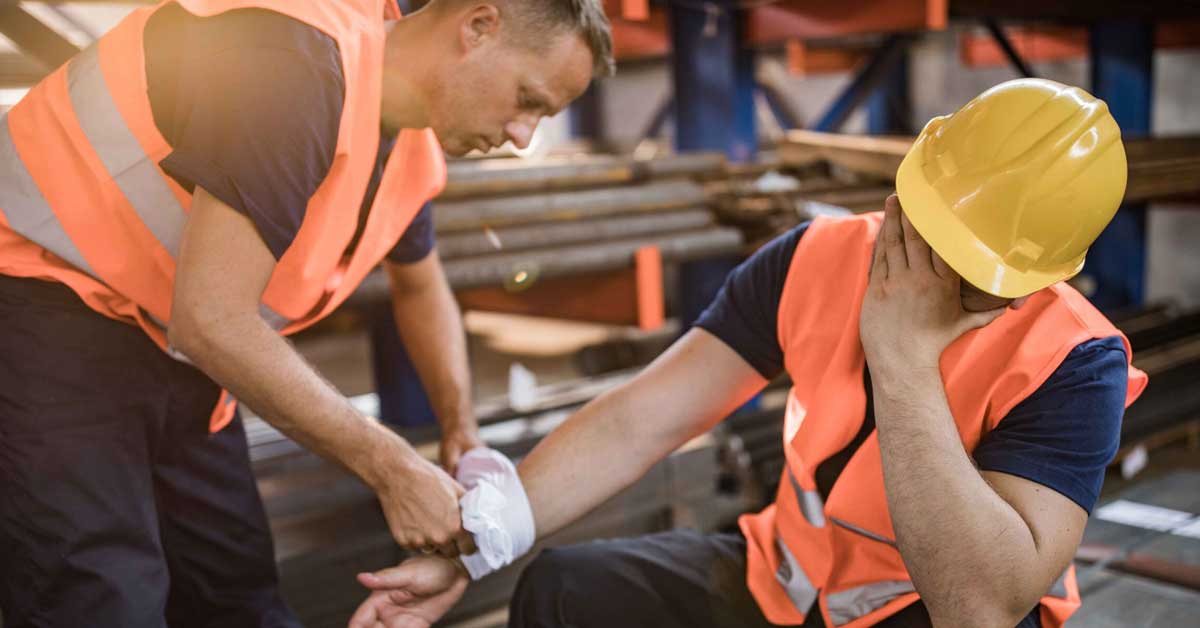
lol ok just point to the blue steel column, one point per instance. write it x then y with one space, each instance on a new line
878 70
714 84
1123 76
889 107
713 77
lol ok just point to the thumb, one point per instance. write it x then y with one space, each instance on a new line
975 320
391 578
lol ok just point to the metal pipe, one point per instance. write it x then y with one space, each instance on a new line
473 214
511 239
467 179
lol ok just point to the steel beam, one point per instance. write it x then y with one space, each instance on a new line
889 107
1123 76
33 37
713 78
510 210
471 243
1006 45
871 76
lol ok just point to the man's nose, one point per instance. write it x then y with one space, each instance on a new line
520 131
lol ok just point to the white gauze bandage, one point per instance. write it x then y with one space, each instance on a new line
495 510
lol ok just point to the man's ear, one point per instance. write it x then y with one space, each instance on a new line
479 24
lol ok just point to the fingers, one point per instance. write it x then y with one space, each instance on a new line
466 544
892 235
975 320
940 266
448 549
366 616
915 248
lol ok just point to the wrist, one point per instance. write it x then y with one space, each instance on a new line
904 384
387 457
459 417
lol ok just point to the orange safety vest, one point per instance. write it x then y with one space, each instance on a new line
841 552
84 202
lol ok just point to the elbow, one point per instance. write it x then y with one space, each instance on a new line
981 608
192 330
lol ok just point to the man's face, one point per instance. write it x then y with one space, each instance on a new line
499 91
976 300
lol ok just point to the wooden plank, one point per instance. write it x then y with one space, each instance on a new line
878 156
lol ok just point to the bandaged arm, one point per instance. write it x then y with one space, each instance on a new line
609 444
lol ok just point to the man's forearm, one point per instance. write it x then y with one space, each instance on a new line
967 550
430 324
591 457
263 371
615 439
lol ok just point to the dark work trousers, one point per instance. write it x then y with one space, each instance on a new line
676 579
117 507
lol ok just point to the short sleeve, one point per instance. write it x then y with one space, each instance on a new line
1065 434
745 311
418 239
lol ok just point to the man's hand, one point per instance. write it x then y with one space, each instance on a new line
458 438
413 595
420 503
913 308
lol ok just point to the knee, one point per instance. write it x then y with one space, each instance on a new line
540 596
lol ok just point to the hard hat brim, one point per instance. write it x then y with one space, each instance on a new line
979 265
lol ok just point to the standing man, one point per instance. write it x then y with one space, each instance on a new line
953 408
209 174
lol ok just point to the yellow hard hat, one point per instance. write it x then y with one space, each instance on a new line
1013 188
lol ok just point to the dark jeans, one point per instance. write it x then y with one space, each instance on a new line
676 579
117 507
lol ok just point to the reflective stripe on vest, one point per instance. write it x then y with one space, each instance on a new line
811 504
850 604
121 153
863 531
795 582
26 208
29 214
276 320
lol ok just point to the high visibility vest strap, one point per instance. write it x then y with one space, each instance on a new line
857 603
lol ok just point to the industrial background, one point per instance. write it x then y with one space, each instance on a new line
727 123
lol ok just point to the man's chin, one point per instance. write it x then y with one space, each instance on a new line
455 148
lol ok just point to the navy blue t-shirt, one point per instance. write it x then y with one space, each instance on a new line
250 102
1062 436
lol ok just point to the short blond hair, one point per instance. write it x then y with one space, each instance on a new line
535 22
